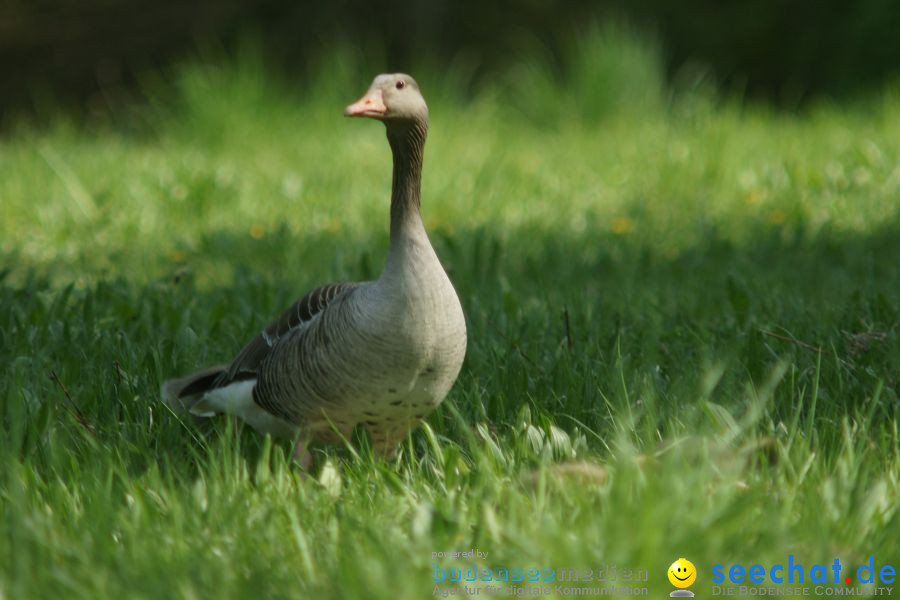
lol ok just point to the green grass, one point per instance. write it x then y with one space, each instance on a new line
693 300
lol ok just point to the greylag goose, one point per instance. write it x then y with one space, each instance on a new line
381 354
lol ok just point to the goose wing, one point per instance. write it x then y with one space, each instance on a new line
246 364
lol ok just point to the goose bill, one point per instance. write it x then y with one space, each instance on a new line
370 105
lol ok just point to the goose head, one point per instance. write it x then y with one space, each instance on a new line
392 98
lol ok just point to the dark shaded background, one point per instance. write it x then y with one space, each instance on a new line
786 50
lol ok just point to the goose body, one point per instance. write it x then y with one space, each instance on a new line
381 354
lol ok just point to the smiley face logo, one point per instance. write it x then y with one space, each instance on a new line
682 573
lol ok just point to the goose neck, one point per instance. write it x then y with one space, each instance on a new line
407 142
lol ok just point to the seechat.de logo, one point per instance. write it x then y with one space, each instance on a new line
796 572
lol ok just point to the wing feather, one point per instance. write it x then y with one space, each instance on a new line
301 311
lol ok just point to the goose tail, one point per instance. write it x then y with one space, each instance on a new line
183 393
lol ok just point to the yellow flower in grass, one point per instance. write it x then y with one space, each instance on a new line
622 226
753 198
777 217
440 226
256 231
331 225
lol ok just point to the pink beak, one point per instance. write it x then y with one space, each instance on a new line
370 105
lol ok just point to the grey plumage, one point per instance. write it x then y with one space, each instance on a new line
381 354
304 309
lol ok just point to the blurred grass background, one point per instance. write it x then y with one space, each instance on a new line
83 51
682 303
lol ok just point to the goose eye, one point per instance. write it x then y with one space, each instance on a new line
401 84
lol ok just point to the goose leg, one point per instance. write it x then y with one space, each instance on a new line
385 444
329 432
386 452
302 454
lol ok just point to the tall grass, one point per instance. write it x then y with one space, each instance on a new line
682 311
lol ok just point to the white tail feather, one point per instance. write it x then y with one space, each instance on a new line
237 399
233 399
